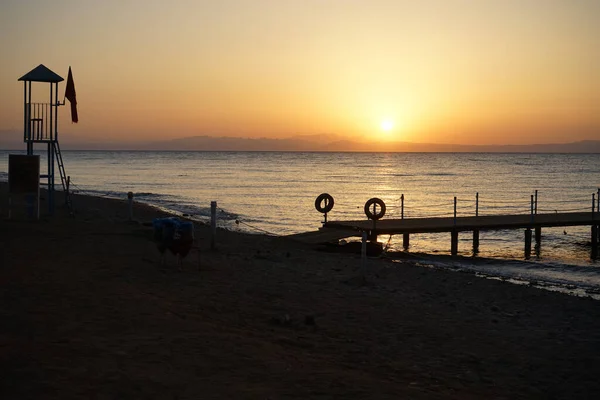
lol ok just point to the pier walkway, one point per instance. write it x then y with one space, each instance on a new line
371 228
449 224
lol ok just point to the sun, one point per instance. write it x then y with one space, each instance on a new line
386 125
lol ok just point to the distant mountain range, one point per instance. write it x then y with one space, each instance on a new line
309 143
322 143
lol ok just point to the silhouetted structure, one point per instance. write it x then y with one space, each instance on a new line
40 125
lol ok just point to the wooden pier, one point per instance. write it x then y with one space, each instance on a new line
532 224
473 224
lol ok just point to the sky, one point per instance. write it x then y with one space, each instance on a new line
446 71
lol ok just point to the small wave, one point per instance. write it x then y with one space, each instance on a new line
150 195
555 276
190 210
100 193
439 174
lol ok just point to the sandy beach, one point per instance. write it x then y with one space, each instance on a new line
87 311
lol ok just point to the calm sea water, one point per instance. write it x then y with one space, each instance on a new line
275 192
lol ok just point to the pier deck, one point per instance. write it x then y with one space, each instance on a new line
335 230
375 209
449 224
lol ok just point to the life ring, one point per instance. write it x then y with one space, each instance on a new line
327 199
378 213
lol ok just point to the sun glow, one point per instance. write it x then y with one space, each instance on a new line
387 125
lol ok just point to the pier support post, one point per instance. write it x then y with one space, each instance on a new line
373 237
454 242
475 241
213 225
595 233
405 240
373 233
527 243
538 240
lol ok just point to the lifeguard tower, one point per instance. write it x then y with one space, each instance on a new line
40 125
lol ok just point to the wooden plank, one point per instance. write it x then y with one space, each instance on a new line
490 222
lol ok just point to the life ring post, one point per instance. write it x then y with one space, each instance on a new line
324 203
374 214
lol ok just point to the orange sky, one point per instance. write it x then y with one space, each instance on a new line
447 71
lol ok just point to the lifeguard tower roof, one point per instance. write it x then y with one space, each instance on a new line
41 74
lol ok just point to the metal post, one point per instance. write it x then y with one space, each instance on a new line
213 224
56 114
477 204
373 237
43 116
536 201
363 255
25 113
531 208
402 206
130 201
52 116
29 143
50 151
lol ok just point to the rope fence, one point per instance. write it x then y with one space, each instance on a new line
482 206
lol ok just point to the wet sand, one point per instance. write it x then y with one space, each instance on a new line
87 311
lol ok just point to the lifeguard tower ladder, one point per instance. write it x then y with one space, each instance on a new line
40 125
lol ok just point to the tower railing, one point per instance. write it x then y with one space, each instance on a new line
39 128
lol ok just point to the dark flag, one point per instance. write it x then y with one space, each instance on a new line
70 95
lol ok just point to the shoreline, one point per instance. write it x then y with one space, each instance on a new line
470 266
468 263
88 311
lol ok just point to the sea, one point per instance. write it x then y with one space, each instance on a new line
274 193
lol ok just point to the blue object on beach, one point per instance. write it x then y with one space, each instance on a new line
186 228
173 234
164 232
